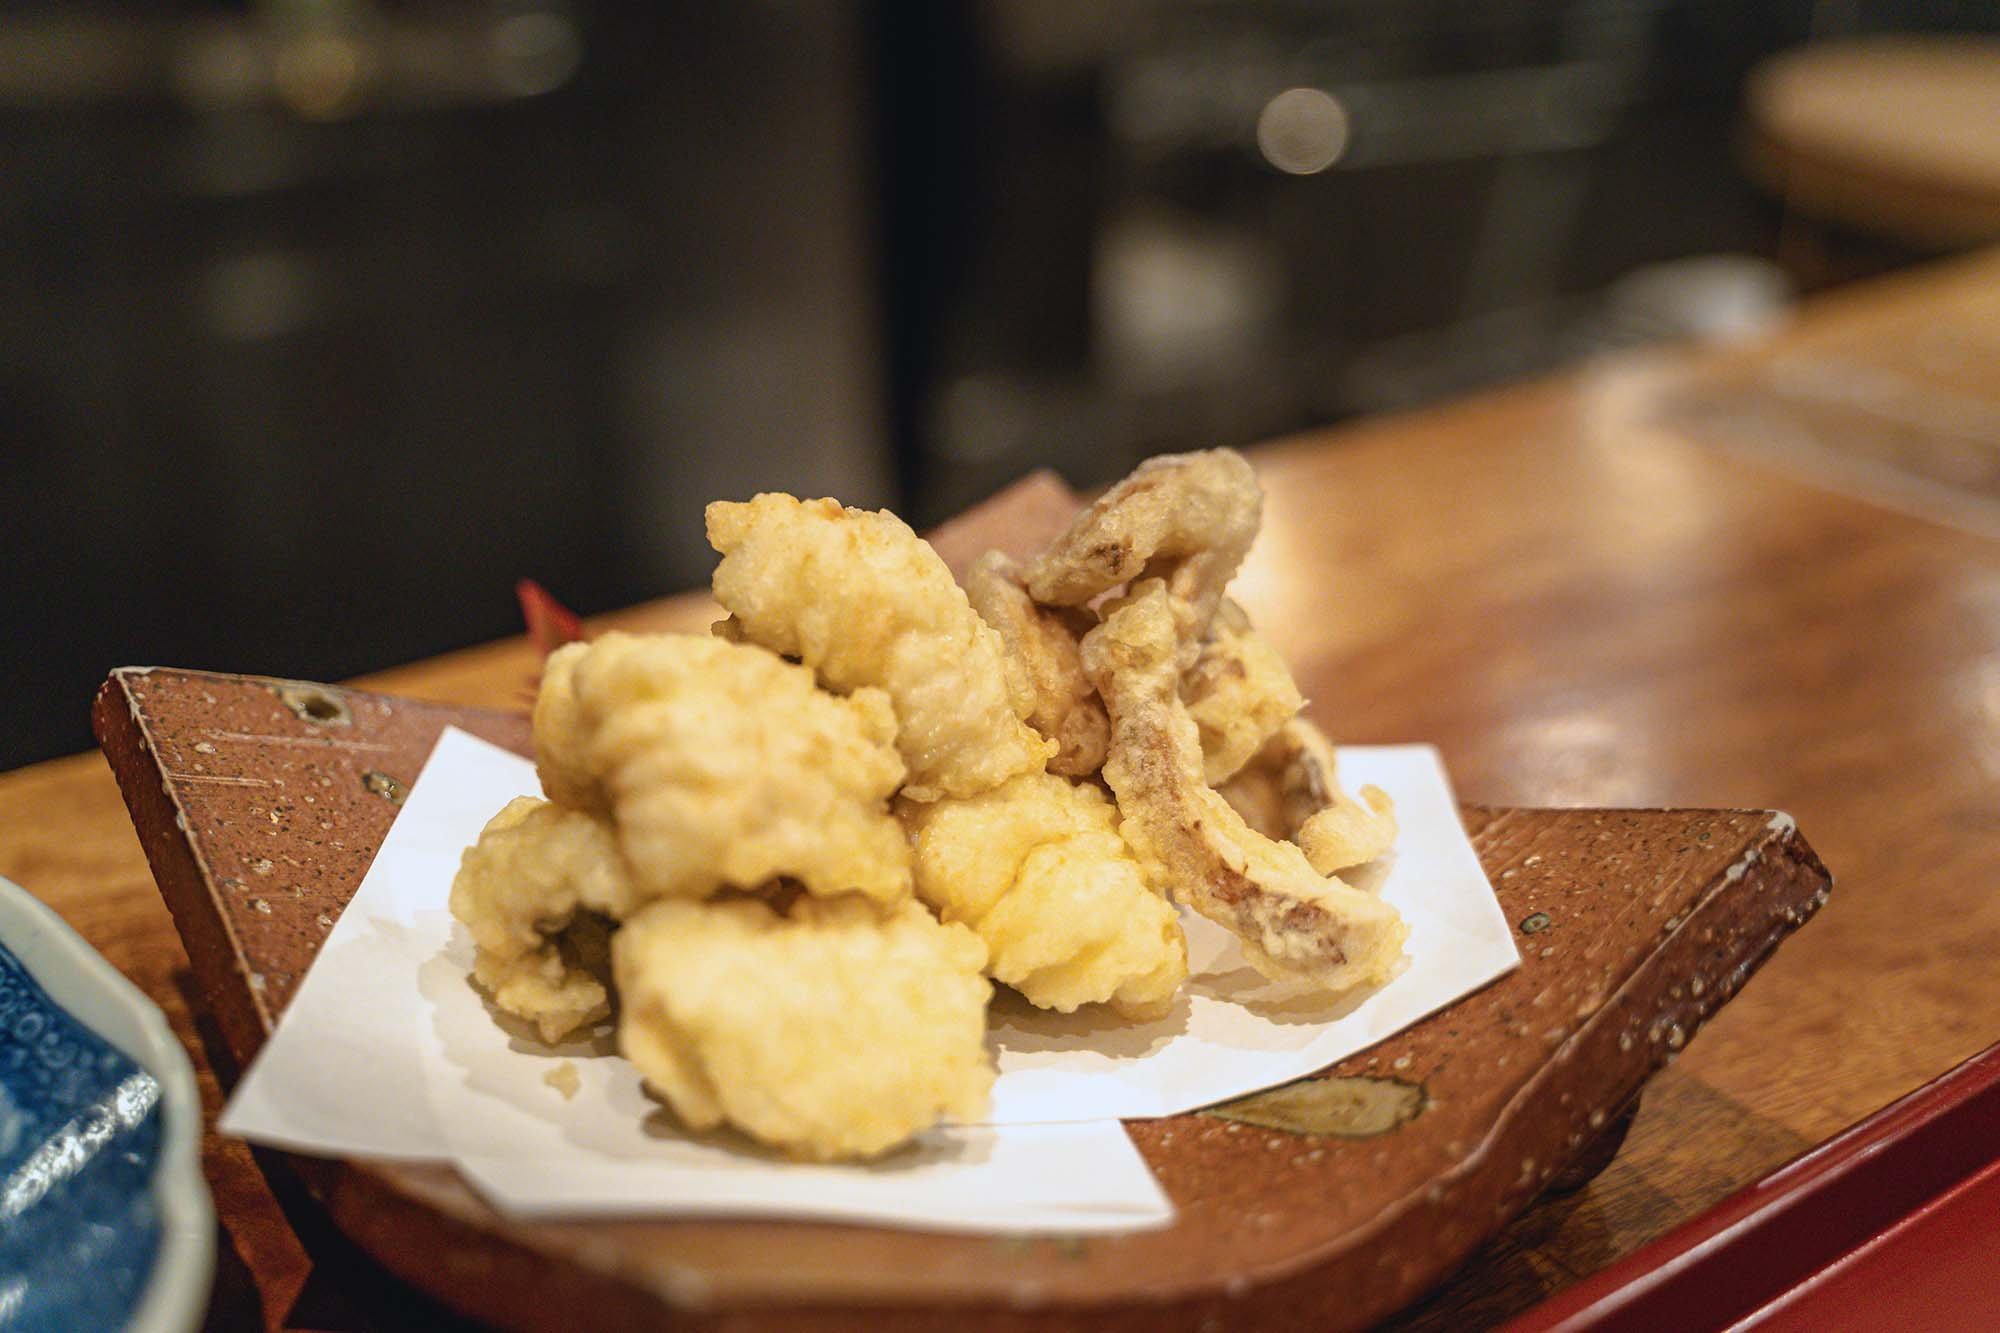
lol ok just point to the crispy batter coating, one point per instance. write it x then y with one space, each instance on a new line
1291 791
1292 921
725 766
560 762
1333 829
530 891
832 1032
1040 646
1038 868
1349 832
1187 518
1239 693
862 600
1257 795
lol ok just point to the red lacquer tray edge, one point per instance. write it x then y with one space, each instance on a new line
1749 1256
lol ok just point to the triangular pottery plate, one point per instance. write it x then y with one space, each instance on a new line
1325 1204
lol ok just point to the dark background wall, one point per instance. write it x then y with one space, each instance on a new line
322 323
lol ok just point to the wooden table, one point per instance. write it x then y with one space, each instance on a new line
1891 135
1618 587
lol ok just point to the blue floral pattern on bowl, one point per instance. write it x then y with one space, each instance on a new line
79 1142
105 1220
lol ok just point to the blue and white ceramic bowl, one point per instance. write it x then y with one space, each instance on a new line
105 1221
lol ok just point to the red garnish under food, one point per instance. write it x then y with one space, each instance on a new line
550 623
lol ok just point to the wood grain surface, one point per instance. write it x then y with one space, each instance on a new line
1887 134
1334 1200
1582 603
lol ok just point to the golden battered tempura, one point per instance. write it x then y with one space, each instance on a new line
1186 518
1291 791
533 891
864 601
833 1032
1291 921
1038 869
1239 693
1039 645
731 840
725 766
560 761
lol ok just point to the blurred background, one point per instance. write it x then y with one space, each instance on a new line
322 321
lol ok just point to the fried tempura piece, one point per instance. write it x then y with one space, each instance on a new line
1187 518
1348 832
833 1032
559 735
1333 829
1257 794
725 766
1038 868
1291 791
530 891
862 600
1292 921
1040 645
1239 693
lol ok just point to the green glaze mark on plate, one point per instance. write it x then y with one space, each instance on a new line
1348 1108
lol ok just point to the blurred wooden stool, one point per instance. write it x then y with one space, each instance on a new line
1894 139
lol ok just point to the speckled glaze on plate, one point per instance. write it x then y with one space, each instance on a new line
105 1221
1325 1204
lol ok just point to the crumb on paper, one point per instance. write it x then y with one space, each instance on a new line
564 1079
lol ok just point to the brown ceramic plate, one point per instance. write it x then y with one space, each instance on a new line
1326 1203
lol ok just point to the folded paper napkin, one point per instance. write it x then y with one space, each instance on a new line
390 994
